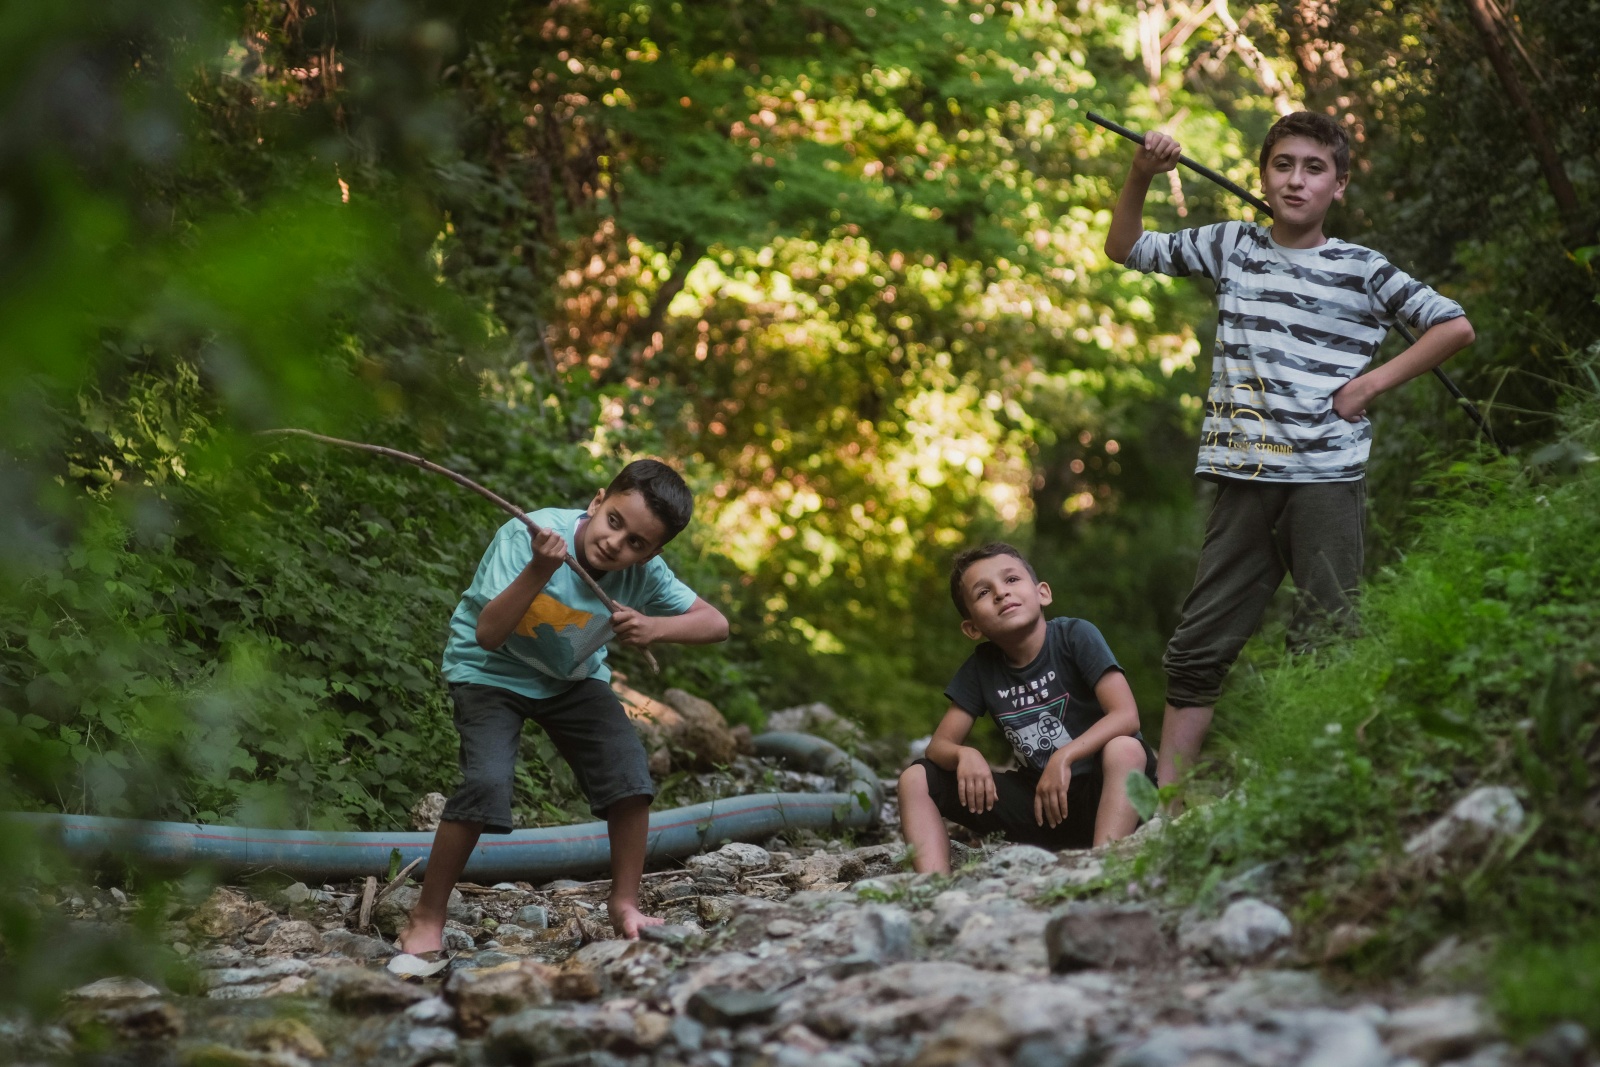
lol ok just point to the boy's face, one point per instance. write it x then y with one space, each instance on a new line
1003 600
1300 182
621 531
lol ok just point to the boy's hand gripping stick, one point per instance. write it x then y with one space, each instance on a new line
1266 209
488 494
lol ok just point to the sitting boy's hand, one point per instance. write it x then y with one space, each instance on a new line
633 628
975 782
1050 798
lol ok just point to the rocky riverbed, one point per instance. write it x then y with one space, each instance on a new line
795 955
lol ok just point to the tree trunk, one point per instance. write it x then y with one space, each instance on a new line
1555 174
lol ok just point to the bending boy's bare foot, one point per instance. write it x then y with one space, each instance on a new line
420 936
627 919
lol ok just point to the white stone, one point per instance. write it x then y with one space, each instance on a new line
115 989
1480 816
1019 859
884 934
227 976
1246 930
745 856
1439 1028
435 1011
432 1039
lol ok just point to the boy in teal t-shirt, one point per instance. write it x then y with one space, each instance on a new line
527 641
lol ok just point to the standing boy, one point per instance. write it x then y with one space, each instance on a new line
1286 436
528 641
1057 692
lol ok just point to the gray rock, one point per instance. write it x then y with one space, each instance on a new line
297 895
904 999
1563 1045
143 1020
1001 1022
1256 992
1021 859
1004 938
673 935
533 916
1104 937
359 991
455 939
426 812
1454 963
817 718
435 1011
538 1035
356 946
688 1033
432 1041
509 934
1305 1039
725 1006
746 857
874 861
1479 817
480 996
1246 931
115 989
781 928
394 910
293 937
266 972
884 934
1439 1028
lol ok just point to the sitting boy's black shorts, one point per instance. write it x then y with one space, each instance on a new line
1012 814
587 725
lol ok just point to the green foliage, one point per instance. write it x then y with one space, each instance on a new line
1476 667
1543 983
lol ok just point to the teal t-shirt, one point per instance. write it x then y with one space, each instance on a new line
562 639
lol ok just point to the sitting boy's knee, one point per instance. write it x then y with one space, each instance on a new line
914 781
1124 753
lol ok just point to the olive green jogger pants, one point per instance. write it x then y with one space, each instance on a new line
1257 532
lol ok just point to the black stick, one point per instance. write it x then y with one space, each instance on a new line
1266 209
488 494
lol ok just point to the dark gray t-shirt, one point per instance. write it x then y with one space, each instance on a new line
1041 707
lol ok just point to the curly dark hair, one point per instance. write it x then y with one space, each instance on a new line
1320 128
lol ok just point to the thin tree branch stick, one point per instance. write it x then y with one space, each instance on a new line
488 494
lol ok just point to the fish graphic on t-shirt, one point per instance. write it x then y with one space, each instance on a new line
552 612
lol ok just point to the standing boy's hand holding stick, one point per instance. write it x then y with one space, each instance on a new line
1158 154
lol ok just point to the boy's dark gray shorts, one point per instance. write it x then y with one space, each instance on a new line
587 725
1012 814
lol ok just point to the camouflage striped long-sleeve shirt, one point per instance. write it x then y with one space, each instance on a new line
1293 325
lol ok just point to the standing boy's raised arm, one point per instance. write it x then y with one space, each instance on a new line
1158 154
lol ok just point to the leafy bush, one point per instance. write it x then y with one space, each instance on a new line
1477 665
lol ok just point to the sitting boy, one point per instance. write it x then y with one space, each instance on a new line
1057 692
527 641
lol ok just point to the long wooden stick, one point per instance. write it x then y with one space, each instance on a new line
488 494
1266 209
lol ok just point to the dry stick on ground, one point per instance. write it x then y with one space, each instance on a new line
364 919
488 494
395 882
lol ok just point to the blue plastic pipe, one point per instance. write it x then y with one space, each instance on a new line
527 855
